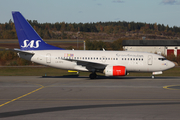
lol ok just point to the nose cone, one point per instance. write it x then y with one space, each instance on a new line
171 64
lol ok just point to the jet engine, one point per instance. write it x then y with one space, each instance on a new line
115 70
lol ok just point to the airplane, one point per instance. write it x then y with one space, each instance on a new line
111 63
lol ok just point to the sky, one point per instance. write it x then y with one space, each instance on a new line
165 12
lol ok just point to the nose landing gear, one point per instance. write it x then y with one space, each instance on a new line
156 73
153 77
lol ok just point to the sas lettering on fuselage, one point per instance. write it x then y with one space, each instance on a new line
129 55
31 44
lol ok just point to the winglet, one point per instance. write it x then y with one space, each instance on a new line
27 36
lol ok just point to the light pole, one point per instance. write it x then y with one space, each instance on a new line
84 45
77 38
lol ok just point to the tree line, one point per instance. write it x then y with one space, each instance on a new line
100 45
58 30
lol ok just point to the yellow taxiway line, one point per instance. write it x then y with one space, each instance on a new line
170 87
22 96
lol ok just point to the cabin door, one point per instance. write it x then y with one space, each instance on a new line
48 58
150 60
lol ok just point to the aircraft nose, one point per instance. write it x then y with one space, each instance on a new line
171 64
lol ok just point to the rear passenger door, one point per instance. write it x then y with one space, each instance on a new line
48 58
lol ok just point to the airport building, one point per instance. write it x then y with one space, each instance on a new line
162 47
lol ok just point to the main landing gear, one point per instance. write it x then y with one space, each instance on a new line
92 75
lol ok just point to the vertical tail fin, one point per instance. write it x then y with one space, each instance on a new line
27 36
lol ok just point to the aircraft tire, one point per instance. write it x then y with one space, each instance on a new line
92 76
152 76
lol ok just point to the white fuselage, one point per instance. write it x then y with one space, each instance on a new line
111 63
133 61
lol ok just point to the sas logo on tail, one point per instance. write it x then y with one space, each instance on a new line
31 44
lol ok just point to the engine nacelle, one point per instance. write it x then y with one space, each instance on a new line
115 70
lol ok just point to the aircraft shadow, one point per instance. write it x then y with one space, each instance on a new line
64 76
66 108
99 77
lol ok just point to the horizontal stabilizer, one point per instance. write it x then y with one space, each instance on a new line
19 51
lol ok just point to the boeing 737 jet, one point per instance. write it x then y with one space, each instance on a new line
111 63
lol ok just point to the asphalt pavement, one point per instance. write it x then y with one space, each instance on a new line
80 98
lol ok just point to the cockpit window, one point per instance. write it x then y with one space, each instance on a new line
162 59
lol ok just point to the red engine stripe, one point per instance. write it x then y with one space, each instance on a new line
119 71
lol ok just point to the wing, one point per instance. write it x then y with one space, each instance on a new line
89 65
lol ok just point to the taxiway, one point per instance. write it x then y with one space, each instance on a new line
70 98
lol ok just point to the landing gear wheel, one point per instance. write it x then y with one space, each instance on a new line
92 76
152 76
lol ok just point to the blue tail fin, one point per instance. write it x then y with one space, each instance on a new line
27 36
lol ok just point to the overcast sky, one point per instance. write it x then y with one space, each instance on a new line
165 12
